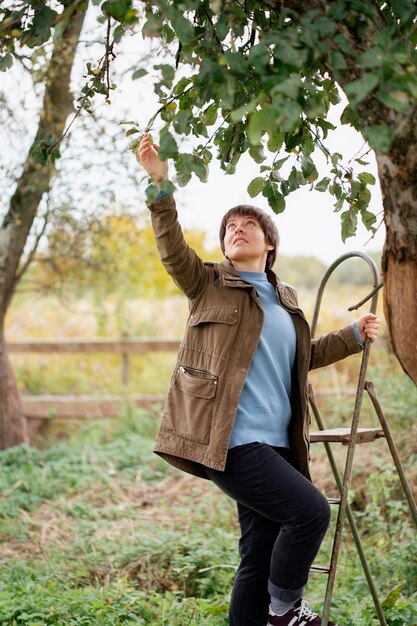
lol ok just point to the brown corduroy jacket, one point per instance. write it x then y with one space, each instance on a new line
221 337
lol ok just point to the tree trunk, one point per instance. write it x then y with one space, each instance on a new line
398 177
14 426
24 203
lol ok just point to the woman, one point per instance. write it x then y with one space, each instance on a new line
236 410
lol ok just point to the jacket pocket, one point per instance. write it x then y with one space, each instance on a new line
213 330
214 315
190 403
195 382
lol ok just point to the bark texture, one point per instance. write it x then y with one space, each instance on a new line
398 177
15 431
30 187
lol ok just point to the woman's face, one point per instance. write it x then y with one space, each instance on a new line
245 244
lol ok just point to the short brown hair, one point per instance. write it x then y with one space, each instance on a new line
268 227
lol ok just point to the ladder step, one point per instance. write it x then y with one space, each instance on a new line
342 435
320 569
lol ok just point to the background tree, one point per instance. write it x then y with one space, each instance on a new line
31 186
63 199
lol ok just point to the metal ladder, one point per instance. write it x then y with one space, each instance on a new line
351 437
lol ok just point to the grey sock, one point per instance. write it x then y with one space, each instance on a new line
279 607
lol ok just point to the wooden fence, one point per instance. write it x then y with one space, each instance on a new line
48 406
94 406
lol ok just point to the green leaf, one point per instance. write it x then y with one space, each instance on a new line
337 61
256 186
335 158
42 22
167 186
39 153
168 148
367 178
257 153
182 122
280 162
360 88
199 167
368 220
355 187
349 116
295 179
379 136
209 116
243 111
259 123
275 200
323 184
139 73
349 222
183 29
371 58
167 71
6 62
325 126
117 9
392 597
152 193
398 100
131 131
55 154
307 143
308 168
182 85
183 169
275 141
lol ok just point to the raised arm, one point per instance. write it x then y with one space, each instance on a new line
180 261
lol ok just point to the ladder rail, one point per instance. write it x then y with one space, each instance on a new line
377 284
349 514
354 424
393 449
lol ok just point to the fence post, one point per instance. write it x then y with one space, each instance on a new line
125 365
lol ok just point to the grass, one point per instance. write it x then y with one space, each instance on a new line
101 531
89 536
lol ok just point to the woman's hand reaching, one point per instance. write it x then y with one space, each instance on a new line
150 161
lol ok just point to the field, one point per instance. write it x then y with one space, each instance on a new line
97 530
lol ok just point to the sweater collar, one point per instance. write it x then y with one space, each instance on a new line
229 277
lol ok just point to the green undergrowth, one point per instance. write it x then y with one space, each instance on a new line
97 530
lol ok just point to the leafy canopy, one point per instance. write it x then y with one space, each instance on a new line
259 78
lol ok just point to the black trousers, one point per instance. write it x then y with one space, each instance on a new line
283 519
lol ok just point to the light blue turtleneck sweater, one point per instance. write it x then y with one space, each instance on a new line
264 409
